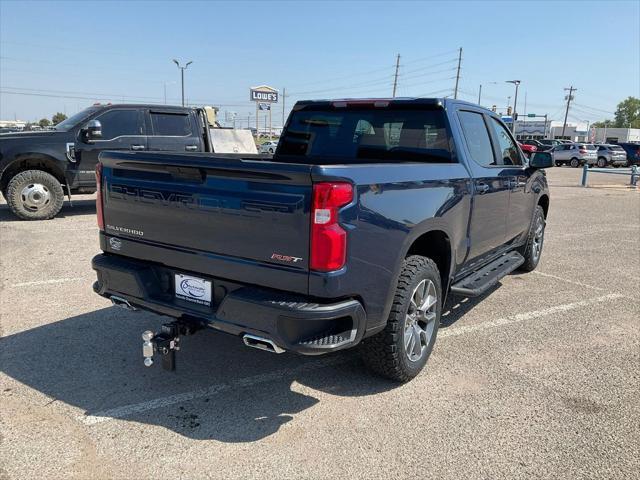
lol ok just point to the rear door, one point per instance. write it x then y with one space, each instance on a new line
491 188
122 129
520 199
174 131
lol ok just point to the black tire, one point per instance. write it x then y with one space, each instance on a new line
386 353
271 150
558 164
575 163
602 162
42 187
532 250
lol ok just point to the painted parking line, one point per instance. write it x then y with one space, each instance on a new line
523 317
580 284
46 282
127 410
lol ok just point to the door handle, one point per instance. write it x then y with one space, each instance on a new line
482 188
191 148
137 147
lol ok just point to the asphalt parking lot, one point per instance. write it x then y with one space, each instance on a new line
540 378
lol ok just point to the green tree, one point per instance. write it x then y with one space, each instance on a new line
628 113
605 123
58 117
44 122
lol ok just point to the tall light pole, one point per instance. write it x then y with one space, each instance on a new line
515 105
182 69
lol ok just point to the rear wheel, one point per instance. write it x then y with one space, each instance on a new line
402 349
575 163
533 248
602 162
34 195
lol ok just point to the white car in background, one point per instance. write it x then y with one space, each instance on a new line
267 147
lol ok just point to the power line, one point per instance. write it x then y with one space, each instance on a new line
593 108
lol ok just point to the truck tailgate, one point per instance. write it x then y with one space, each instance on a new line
225 207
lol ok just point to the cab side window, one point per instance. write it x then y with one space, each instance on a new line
477 138
119 123
509 151
171 124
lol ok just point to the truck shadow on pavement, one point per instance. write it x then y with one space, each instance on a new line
80 207
93 361
228 392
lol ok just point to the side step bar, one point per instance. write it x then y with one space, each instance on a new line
482 280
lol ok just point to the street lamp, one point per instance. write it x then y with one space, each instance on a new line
182 69
515 105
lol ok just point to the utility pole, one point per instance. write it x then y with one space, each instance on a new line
566 113
479 94
455 92
284 96
182 69
395 77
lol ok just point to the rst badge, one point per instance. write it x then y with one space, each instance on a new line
285 258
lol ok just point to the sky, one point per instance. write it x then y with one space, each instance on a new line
64 56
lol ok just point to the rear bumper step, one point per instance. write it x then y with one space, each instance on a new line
291 322
482 280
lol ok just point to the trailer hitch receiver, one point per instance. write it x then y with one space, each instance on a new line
166 342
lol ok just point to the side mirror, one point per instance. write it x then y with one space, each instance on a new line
541 160
93 130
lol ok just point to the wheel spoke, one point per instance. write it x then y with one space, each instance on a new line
412 341
417 343
408 333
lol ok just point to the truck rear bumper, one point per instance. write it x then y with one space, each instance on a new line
293 322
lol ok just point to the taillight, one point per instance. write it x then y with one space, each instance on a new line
328 238
99 212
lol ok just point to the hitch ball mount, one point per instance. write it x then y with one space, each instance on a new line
166 342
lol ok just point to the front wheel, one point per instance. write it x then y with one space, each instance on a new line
575 163
533 248
402 349
34 195
602 162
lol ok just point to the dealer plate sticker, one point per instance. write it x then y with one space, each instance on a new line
193 289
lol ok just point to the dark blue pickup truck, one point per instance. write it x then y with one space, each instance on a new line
367 216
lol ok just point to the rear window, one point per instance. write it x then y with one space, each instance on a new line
617 148
589 147
171 124
360 135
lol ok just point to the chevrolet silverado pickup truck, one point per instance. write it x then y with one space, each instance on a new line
369 213
37 167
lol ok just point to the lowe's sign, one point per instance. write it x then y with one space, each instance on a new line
263 94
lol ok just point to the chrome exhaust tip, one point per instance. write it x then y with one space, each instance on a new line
122 303
261 343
